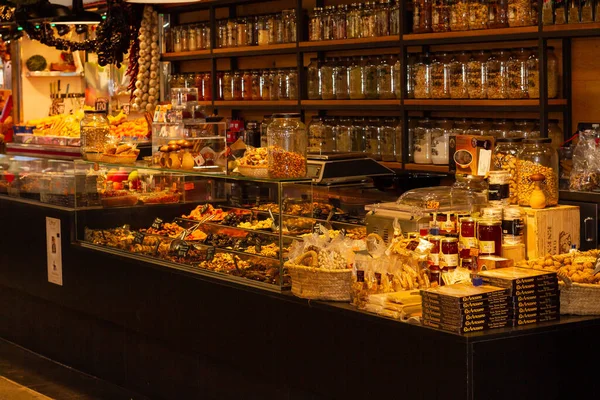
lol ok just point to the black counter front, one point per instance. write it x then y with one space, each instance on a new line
174 335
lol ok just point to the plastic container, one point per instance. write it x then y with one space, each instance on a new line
287 144
94 130
537 157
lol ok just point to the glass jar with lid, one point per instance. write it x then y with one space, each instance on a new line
410 75
396 76
533 76
255 85
227 86
421 141
343 135
460 126
520 129
236 85
382 18
327 17
368 20
372 129
574 17
177 39
497 75
459 75
395 18
440 141
501 128
221 39
232 39
440 76
262 29
387 134
537 158
459 15
441 16
422 77
340 79
198 82
274 76
287 143
478 14
385 79
412 124
242 32
498 14
281 87
316 135
422 16
192 38
517 74
370 77
555 133
504 158
357 86
398 140
289 22
291 84
264 124
359 144
327 80
265 85
247 85
315 25
328 144
476 127
476 74
94 130
185 39
313 80
519 13
352 22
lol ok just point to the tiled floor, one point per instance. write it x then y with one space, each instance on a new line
27 376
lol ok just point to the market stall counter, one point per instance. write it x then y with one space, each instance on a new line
173 334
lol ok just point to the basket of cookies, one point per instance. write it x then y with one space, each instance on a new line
254 163
120 154
579 280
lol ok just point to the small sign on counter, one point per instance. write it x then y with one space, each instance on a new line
54 251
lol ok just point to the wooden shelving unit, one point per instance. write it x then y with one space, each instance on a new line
348 44
351 105
256 104
483 35
187 55
256 50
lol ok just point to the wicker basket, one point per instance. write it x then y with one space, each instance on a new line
579 298
254 171
318 283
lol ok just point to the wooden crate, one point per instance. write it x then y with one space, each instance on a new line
551 230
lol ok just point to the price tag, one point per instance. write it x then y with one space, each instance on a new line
157 223
432 205
183 249
138 238
199 160
101 104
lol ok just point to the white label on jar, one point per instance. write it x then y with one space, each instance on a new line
469 242
451 260
487 247
434 258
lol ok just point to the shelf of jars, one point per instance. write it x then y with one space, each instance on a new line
349 44
256 104
470 36
427 168
186 55
283 48
351 104
504 104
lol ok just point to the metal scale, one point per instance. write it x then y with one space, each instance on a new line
344 168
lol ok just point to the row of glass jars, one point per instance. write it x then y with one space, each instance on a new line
257 30
499 74
570 12
429 138
379 138
357 20
187 38
374 77
462 15
268 84
200 80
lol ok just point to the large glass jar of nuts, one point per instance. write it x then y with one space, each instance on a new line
459 15
410 75
385 79
422 18
357 84
517 74
497 75
441 16
476 75
287 143
537 163
533 74
519 13
440 76
478 14
459 75
422 77
94 129
498 16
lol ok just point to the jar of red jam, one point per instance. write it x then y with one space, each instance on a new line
468 264
434 276
434 254
489 234
468 239
449 253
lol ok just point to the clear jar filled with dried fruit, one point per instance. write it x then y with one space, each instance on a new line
247 85
227 86
517 74
476 74
537 157
368 20
441 16
94 129
326 74
519 13
573 13
459 77
387 133
274 84
372 138
287 144
313 80
498 14
357 86
343 135
395 18
440 76
207 86
382 18
255 86
422 16
411 69
291 84
459 15
422 77
385 79
370 77
340 79
315 25
497 75
236 85
316 135
281 85
353 22
397 76
533 74
478 14
421 141
358 135
265 85
504 158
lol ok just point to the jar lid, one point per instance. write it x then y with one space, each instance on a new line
489 222
537 140
509 140
467 219
286 115
435 238
449 239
